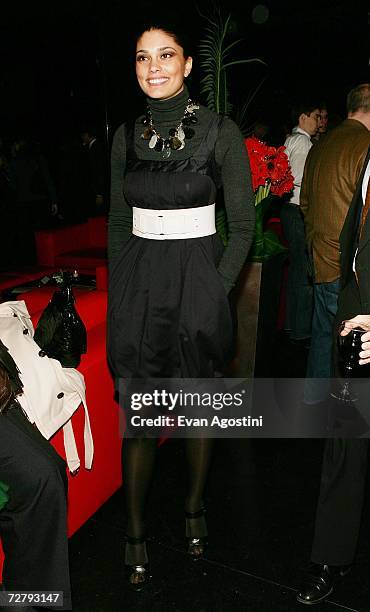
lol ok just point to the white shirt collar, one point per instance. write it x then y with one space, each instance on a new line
298 130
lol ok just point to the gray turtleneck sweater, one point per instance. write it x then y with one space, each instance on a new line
232 159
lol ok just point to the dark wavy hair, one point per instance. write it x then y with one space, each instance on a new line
305 107
172 28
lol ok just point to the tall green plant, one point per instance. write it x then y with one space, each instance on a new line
215 62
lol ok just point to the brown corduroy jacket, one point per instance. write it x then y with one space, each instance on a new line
332 169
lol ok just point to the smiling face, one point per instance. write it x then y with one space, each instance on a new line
161 65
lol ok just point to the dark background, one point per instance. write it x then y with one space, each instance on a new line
67 64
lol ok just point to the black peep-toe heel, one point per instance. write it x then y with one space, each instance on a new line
136 562
196 533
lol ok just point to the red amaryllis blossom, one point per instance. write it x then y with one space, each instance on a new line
270 167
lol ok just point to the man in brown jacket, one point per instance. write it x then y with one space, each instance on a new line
339 173
331 173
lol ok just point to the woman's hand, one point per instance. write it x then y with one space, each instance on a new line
364 322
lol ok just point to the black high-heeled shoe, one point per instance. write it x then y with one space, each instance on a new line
196 533
136 562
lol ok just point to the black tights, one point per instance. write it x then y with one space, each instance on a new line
138 456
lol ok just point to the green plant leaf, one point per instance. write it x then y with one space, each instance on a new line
244 61
215 60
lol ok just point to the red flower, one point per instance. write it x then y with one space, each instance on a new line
269 166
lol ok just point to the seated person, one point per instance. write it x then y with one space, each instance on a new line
33 508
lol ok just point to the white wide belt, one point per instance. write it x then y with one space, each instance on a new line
174 224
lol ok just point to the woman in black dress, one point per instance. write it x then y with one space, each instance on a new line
169 312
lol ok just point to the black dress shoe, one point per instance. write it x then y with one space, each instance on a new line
318 582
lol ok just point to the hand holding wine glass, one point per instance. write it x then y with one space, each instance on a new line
362 322
353 352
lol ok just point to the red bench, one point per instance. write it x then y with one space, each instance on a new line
82 246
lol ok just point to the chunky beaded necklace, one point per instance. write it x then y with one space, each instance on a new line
176 136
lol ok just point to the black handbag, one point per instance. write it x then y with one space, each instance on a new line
60 332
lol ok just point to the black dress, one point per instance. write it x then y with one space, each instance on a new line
169 313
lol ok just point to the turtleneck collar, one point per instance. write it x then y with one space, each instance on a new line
169 110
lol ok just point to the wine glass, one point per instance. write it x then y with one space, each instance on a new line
349 349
